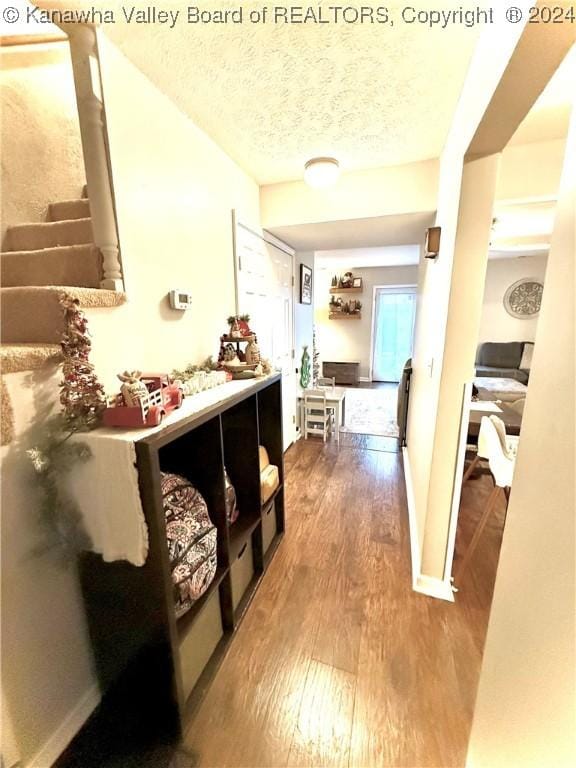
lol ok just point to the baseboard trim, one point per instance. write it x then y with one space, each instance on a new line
425 585
68 728
413 528
366 379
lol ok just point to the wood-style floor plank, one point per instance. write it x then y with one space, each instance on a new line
324 723
338 662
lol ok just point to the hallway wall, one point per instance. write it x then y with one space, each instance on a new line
349 340
409 188
496 324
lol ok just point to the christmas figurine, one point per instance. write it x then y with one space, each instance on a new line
133 390
252 352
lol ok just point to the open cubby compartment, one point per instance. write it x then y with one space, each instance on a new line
270 424
240 439
197 456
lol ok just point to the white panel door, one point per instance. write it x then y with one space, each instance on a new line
265 292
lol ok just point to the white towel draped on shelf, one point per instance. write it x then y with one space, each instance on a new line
106 490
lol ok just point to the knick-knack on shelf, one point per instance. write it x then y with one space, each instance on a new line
252 353
133 389
235 331
305 368
348 280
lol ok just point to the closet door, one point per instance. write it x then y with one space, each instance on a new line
264 287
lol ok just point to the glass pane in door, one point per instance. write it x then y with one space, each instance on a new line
393 332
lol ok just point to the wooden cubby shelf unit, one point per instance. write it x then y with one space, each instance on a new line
157 667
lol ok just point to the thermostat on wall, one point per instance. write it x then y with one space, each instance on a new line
180 299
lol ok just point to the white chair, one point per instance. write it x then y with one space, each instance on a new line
317 415
499 449
328 383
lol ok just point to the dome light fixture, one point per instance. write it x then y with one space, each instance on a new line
321 172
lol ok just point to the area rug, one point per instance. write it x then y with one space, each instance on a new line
371 412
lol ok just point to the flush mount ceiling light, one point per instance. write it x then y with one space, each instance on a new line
321 171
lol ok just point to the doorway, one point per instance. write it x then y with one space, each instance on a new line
264 269
393 316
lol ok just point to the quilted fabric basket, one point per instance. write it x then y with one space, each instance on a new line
191 540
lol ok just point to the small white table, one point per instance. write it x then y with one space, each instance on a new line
335 398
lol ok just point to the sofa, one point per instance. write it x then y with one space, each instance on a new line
505 360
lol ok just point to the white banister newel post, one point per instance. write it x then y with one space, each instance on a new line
90 112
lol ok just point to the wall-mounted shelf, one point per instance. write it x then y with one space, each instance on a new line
345 290
153 667
345 316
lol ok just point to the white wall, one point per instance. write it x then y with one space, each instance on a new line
47 668
39 132
349 340
525 709
517 180
175 190
409 188
495 323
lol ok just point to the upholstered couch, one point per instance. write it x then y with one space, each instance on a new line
506 360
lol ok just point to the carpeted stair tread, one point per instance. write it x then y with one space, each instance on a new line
32 314
48 234
15 358
63 265
79 265
66 210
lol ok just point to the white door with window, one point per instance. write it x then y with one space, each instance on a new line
394 313
264 282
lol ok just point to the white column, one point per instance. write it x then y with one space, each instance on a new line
90 111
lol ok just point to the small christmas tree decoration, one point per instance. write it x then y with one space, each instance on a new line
54 455
81 394
305 368
315 359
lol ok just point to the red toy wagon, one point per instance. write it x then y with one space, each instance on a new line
163 396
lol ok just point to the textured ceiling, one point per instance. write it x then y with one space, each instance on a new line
274 95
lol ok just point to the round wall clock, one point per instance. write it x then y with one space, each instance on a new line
523 298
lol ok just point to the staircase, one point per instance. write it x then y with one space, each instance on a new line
38 262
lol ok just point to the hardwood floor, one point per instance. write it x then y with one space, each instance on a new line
338 662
